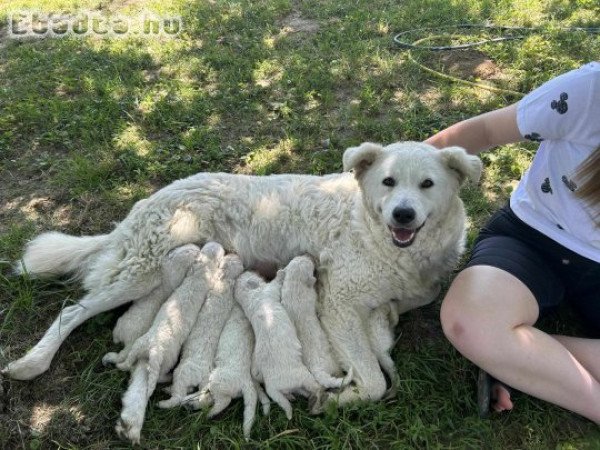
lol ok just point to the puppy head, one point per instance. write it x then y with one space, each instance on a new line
249 281
301 269
183 253
232 266
213 251
177 263
407 185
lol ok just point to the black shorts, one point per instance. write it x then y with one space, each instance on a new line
552 272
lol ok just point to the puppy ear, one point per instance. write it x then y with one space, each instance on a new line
360 158
468 167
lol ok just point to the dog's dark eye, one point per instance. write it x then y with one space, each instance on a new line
427 183
389 181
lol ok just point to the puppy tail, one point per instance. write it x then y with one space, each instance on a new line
52 254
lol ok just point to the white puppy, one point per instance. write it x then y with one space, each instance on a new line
155 353
299 298
198 353
139 317
277 358
134 323
231 377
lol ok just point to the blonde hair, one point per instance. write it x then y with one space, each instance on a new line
588 174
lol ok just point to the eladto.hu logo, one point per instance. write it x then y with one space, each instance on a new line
35 24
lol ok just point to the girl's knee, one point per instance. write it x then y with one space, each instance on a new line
482 308
468 328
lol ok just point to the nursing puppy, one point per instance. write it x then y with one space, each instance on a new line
133 324
394 229
231 376
299 298
155 353
198 353
137 320
277 360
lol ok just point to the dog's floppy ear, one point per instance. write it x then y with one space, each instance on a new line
360 158
468 167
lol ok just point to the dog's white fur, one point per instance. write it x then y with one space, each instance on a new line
198 353
273 219
277 360
299 298
155 353
231 377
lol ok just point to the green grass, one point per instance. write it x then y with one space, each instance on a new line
87 127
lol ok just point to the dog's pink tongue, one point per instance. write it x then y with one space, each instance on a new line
403 234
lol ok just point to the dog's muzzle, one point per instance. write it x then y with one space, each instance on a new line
404 237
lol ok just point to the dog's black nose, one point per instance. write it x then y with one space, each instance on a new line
404 215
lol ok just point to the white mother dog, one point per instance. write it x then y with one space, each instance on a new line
391 230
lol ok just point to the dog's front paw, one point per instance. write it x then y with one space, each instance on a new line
392 392
26 368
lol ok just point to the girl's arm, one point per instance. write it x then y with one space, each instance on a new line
481 132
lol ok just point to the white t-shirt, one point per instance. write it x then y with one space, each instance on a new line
564 116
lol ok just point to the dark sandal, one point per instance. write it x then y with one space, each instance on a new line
485 384
484 393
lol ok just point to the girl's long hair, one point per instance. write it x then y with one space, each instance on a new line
588 175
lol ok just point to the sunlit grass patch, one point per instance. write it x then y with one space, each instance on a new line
265 160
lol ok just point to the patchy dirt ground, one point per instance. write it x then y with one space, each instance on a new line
470 63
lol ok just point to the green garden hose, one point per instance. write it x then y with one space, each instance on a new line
522 32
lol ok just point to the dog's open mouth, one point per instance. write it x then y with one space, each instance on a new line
403 237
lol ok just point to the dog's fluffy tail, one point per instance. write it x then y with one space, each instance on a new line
51 254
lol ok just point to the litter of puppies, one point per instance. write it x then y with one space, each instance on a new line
228 334
216 333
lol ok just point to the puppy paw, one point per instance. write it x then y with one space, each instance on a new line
129 431
197 400
171 402
315 403
330 401
110 359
